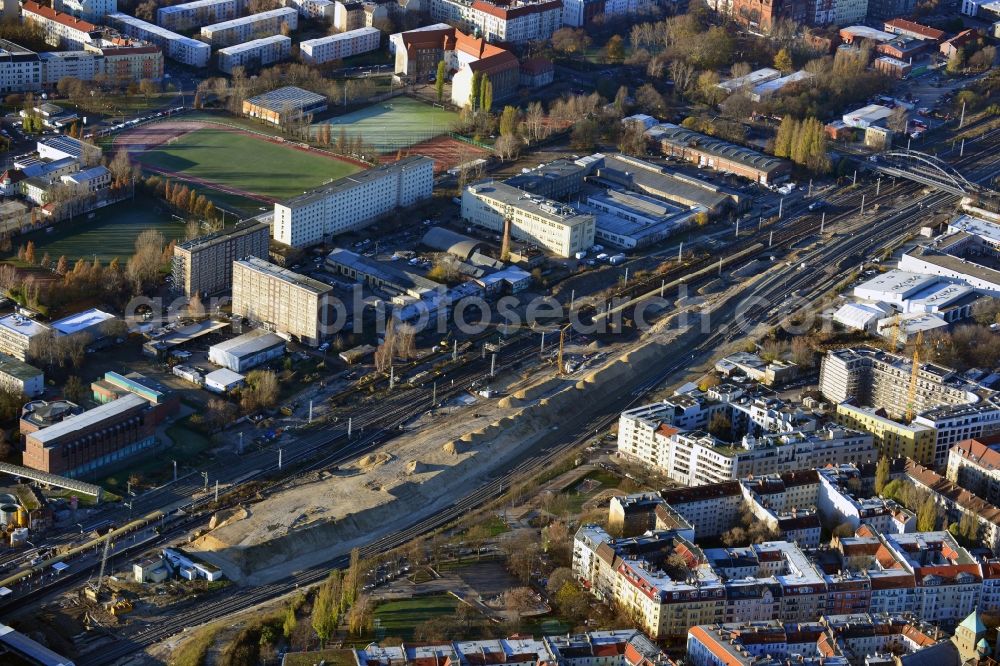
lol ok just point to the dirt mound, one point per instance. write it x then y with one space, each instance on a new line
452 448
374 460
227 517
415 467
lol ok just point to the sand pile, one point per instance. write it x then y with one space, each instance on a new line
374 460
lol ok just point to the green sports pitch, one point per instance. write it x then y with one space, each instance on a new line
393 124
243 163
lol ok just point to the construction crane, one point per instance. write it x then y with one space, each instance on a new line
911 396
560 368
94 591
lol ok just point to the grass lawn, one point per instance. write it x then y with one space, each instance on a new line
399 618
333 657
396 123
246 163
188 447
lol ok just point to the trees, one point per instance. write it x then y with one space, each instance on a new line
352 580
585 134
509 120
881 474
73 389
804 142
721 426
570 41
144 266
633 139
783 61
261 391
361 616
486 94
927 516
120 168
442 71
326 610
518 601
534 122
898 119
616 49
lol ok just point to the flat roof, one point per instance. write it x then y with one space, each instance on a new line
254 44
864 32
224 377
160 31
251 19
18 369
90 417
775 85
81 321
663 182
189 6
976 226
386 272
339 37
281 99
547 209
37 653
22 325
251 342
352 181
285 275
897 282
753 78
202 242
188 333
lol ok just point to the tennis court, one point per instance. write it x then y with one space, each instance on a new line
392 125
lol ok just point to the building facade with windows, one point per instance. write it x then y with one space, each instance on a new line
178 47
204 265
292 305
353 202
255 54
339 46
61 30
239 30
188 15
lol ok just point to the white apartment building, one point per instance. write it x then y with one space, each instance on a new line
239 30
552 226
975 465
294 306
89 10
178 47
20 69
196 14
343 45
314 9
83 65
523 22
353 202
255 54
578 13
61 30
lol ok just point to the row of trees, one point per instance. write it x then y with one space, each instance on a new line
182 198
354 146
804 142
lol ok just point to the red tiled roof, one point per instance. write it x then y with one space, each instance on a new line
915 28
502 11
65 19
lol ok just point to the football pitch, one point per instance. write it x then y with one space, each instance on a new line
241 164
396 123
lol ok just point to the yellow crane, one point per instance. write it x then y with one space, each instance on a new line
911 397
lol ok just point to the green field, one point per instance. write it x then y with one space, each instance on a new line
396 123
110 233
400 618
246 163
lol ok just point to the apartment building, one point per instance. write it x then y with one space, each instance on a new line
953 406
314 9
291 305
88 10
125 60
353 202
552 226
190 15
958 501
61 30
82 443
204 265
17 335
579 13
255 54
19 378
83 65
178 47
337 47
239 30
20 68
500 22
892 438
974 464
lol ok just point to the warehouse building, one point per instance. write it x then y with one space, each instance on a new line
630 221
340 46
255 54
18 377
706 151
353 202
204 265
223 381
247 351
292 305
183 49
196 14
239 30
552 226
92 322
82 443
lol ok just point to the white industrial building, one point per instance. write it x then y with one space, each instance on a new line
968 252
630 220
867 116
255 54
239 30
190 15
247 351
555 227
183 49
223 381
773 86
353 202
749 81
337 47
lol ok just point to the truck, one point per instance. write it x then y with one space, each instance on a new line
617 259
581 254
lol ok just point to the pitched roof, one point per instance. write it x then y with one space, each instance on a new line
915 28
65 19
973 623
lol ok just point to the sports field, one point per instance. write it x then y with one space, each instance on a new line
394 124
231 161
